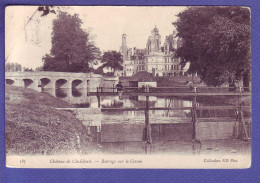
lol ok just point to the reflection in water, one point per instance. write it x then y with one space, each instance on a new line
76 92
59 93
134 102
79 98
111 102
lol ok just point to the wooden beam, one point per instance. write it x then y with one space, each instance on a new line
173 108
171 94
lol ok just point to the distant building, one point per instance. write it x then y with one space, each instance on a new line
138 59
123 48
156 59
128 68
172 65
160 60
140 79
128 65
154 42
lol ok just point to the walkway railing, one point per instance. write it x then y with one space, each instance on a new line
174 91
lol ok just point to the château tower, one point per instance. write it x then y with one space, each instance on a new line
124 47
154 41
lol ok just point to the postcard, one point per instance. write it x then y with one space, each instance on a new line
128 87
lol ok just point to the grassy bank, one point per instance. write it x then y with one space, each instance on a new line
34 126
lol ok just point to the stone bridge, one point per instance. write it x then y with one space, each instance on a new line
54 80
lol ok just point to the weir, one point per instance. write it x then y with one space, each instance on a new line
216 128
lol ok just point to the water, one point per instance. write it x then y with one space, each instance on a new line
80 99
122 131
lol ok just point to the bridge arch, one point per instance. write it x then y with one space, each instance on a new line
45 83
77 83
28 83
62 83
9 81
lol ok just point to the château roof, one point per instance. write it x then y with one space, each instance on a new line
155 29
143 76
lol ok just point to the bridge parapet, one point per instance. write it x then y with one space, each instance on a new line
39 80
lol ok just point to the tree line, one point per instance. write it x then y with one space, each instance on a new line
15 67
12 67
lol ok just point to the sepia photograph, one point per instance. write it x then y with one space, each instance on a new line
128 87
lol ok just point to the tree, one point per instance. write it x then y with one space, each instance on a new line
18 67
26 69
72 48
39 68
99 70
113 60
216 42
13 67
7 67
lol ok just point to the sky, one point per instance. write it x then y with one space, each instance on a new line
26 42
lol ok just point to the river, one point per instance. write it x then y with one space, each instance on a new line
122 131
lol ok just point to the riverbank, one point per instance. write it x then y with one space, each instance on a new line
34 126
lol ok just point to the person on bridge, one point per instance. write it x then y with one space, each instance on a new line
120 89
